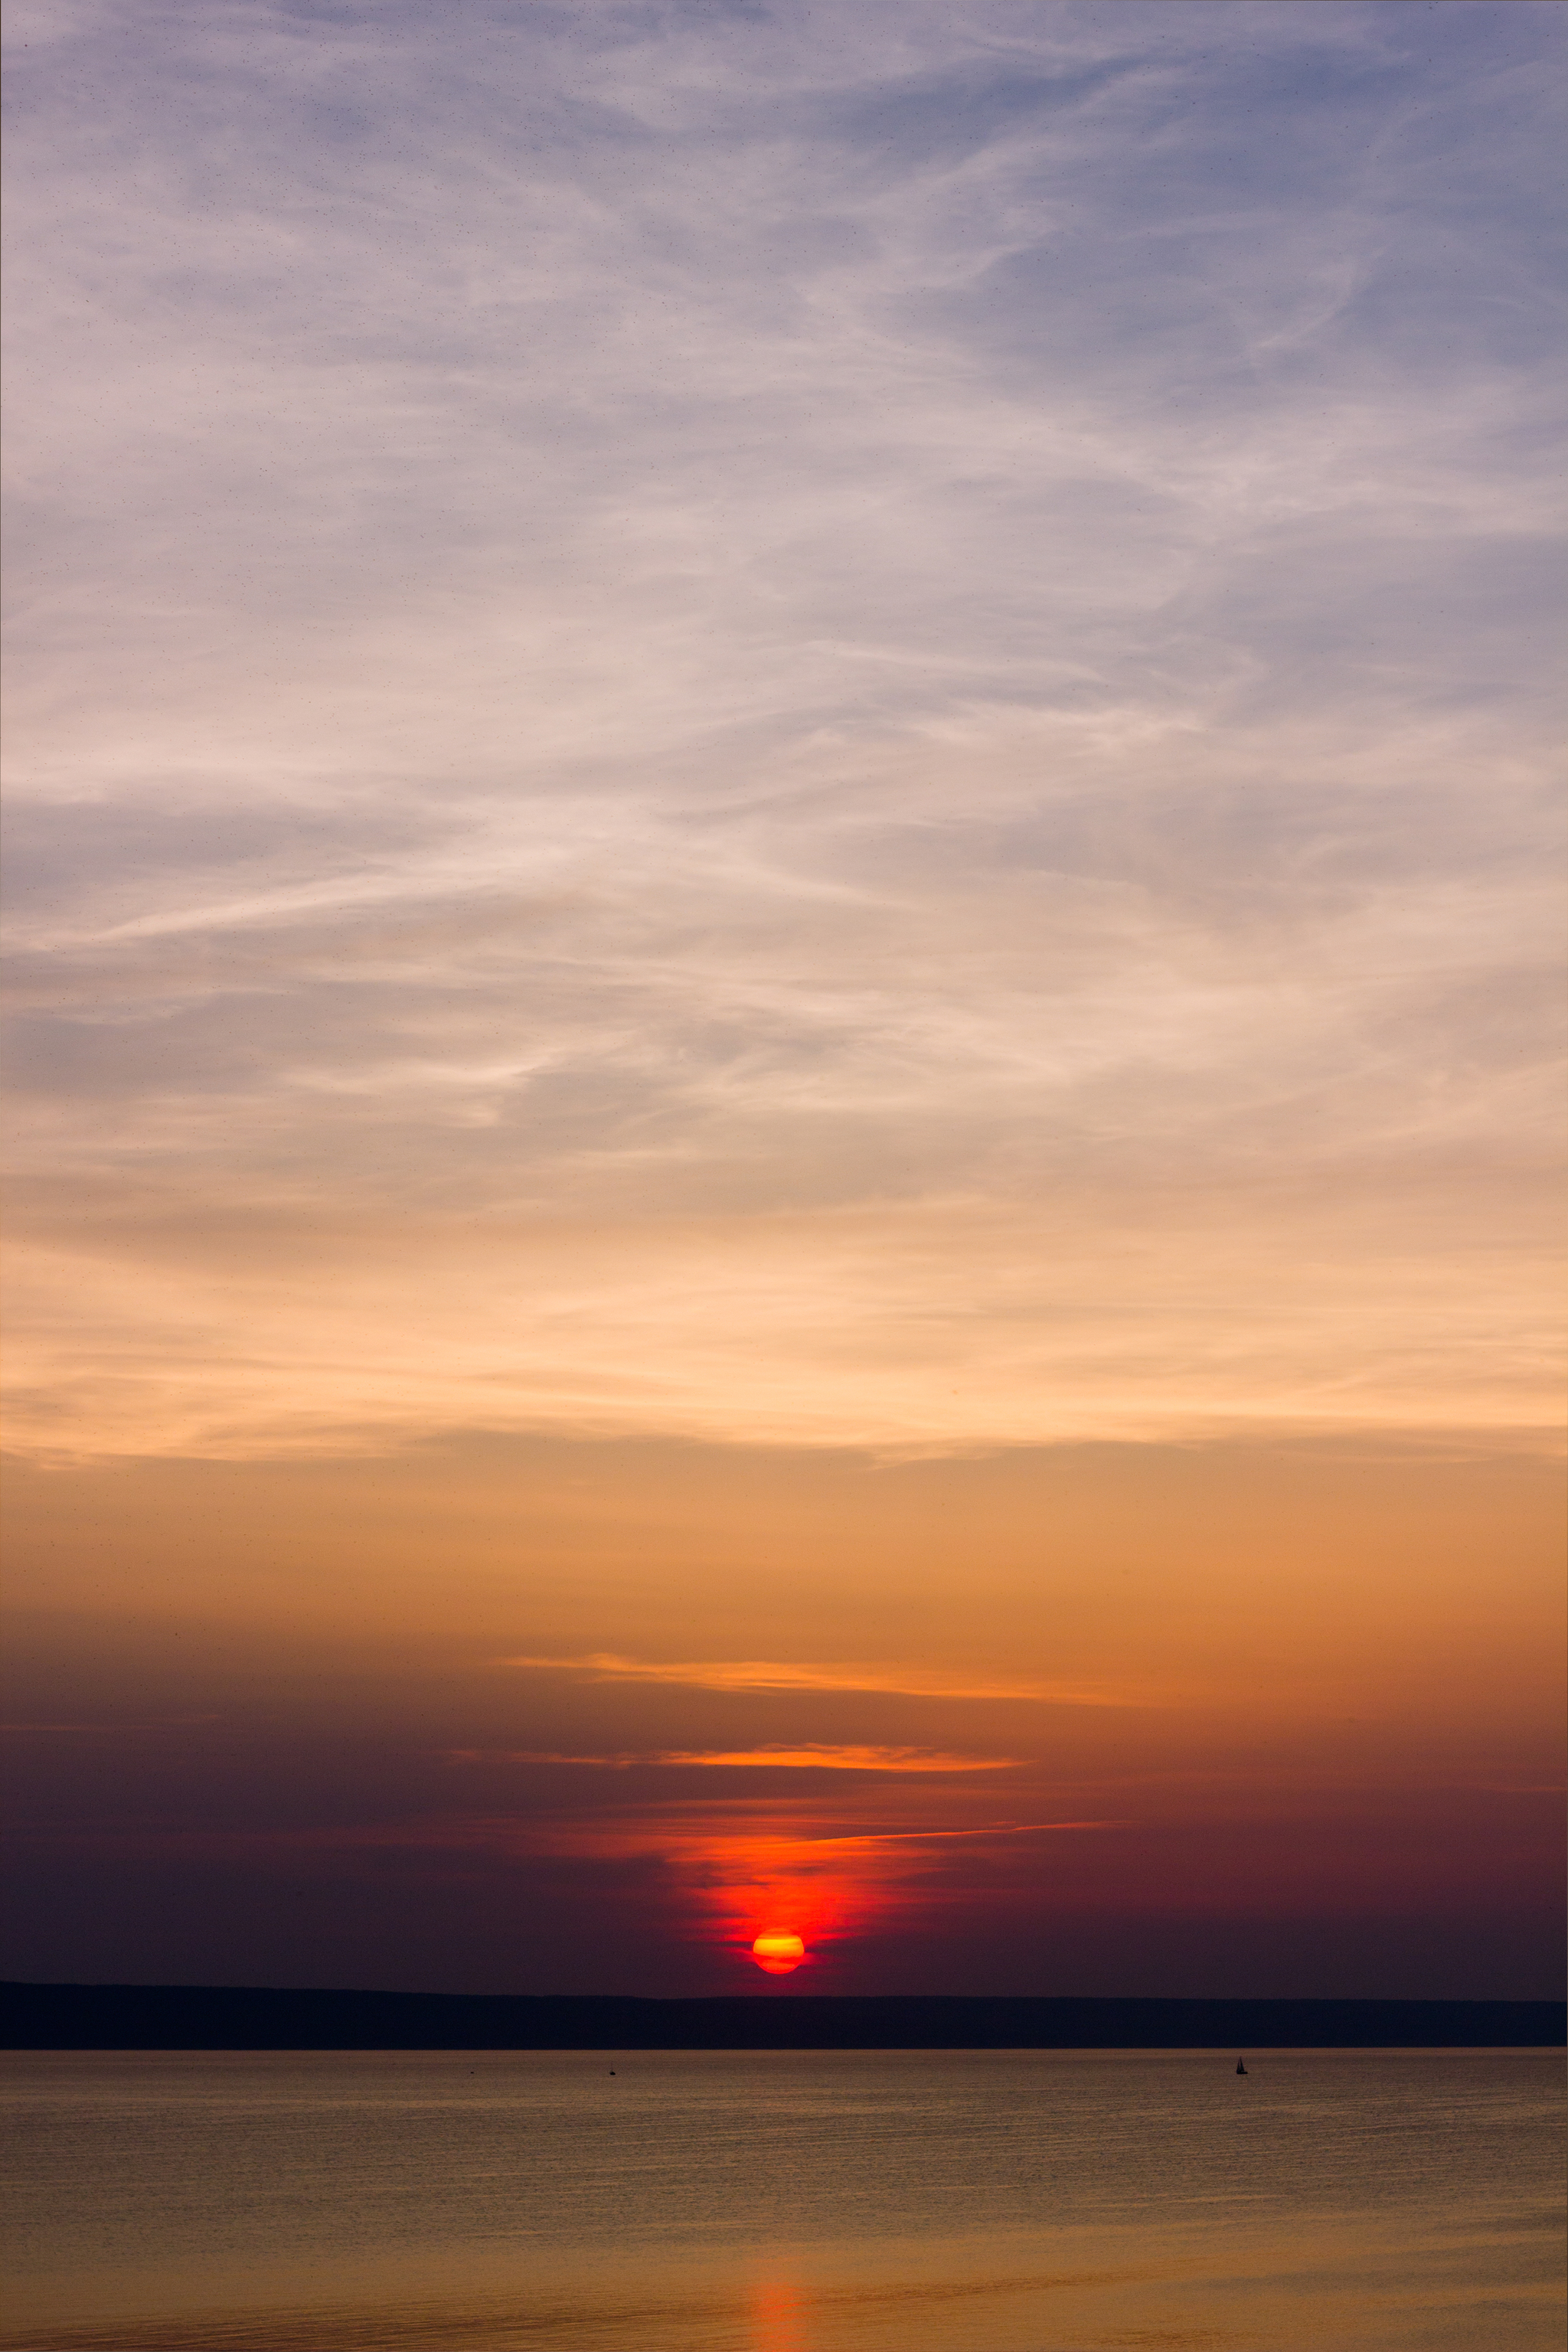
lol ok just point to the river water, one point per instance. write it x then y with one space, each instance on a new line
783 2202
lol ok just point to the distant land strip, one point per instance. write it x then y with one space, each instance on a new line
245 2017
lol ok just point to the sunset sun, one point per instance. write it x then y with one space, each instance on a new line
778 1951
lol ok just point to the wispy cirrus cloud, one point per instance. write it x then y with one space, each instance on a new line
787 734
784 1674
807 1756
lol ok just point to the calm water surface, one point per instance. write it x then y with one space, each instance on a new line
831 2201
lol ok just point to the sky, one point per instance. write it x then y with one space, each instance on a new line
784 847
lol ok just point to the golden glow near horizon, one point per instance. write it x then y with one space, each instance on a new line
785 1115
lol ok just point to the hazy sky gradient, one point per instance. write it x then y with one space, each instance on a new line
758 744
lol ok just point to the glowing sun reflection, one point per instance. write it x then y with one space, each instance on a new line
778 2319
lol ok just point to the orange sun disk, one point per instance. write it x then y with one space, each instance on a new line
778 1951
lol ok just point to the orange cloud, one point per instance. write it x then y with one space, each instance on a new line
776 1675
811 1755
805 1756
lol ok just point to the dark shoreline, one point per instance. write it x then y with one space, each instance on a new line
225 2017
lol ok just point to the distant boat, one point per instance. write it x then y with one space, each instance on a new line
1241 2066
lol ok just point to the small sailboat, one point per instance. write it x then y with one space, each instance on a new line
1241 2066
